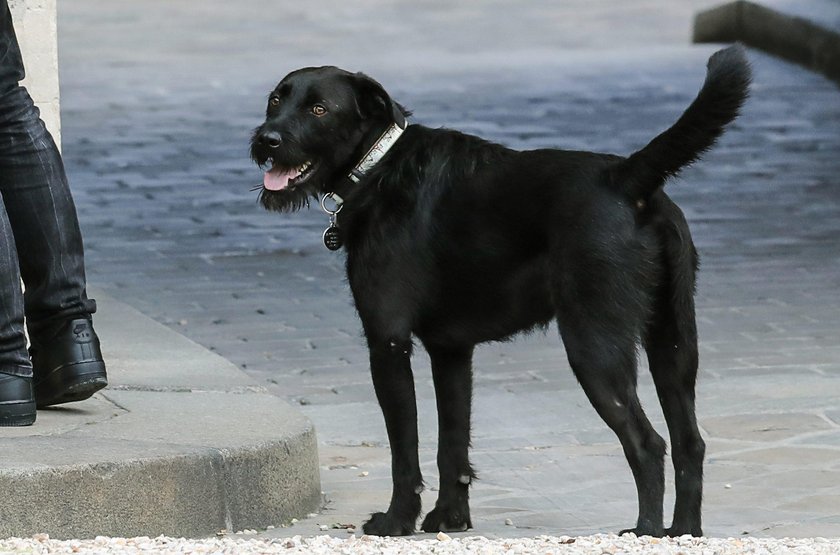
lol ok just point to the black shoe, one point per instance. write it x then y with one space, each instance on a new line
68 364
17 404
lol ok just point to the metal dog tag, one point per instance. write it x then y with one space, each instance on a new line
332 237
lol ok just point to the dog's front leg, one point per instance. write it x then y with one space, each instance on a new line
390 364
452 372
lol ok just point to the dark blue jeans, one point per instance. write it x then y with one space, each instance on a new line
39 233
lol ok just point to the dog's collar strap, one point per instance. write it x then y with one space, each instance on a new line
377 151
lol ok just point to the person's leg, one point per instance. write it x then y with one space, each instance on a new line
17 405
11 64
13 356
42 214
65 351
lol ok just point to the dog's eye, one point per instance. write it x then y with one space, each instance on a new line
274 101
319 110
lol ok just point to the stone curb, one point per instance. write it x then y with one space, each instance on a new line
182 443
788 32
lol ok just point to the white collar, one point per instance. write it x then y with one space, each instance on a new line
377 151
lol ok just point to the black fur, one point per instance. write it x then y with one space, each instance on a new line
455 241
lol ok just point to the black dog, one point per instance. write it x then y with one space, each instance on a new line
455 241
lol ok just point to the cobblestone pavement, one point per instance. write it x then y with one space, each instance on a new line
158 101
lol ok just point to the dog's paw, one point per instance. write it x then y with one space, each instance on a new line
447 518
643 531
677 531
383 524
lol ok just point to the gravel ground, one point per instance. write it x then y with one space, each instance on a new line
442 545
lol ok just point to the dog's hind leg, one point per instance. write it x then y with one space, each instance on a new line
393 381
672 354
452 373
671 345
602 354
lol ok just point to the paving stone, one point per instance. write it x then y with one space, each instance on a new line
764 427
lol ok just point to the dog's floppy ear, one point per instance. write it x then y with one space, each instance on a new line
371 99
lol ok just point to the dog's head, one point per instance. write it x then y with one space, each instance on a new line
319 123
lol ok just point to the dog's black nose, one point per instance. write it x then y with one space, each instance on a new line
271 139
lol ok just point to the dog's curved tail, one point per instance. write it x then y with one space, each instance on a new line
718 103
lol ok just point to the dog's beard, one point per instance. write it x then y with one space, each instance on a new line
290 198
287 200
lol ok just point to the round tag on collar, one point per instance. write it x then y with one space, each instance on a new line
332 238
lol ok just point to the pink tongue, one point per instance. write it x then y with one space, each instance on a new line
276 179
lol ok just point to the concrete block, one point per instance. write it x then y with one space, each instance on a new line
184 444
174 493
811 39
36 30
